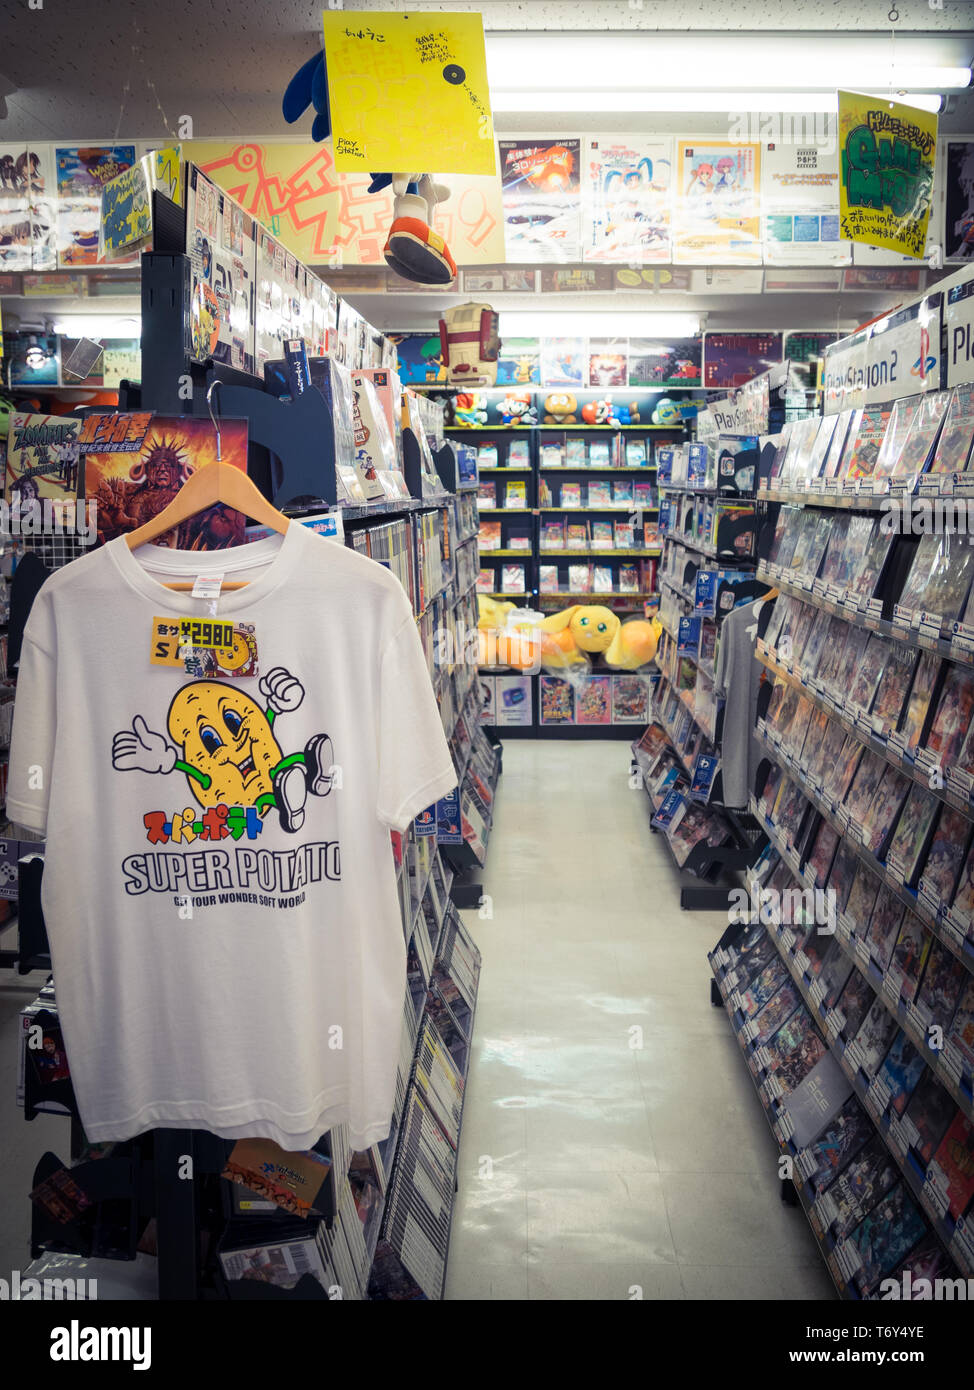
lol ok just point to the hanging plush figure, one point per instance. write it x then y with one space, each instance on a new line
592 628
413 250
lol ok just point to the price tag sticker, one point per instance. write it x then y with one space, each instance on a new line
208 648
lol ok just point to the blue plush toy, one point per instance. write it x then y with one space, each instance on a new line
413 250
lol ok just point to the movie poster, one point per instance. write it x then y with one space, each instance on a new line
542 200
800 205
628 199
520 362
82 172
959 200
28 208
716 214
665 364
134 463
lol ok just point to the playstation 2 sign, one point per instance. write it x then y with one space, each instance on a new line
959 321
898 356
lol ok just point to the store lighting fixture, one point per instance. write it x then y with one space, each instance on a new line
616 323
719 73
98 326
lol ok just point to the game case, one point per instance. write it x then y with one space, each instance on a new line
910 955
579 579
516 494
900 1071
885 1235
859 540
577 535
953 1162
910 839
866 780
832 657
921 691
853 653
884 926
552 535
486 495
599 493
954 445
884 809
833 458
860 1185
814 645
630 699
940 988
900 421
926 1262
961 1035
548 579
862 899
775 1012
894 683
952 719
862 453
835 977
854 1003
841 1138
918 445
571 495
841 874
512 579
863 585
942 867
869 673
764 987
795 1049
962 906
807 526
557 700
593 704
602 535
949 581
929 1111
823 852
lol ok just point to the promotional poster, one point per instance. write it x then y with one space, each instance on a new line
28 208
541 184
731 359
716 215
628 199
800 205
676 363
82 172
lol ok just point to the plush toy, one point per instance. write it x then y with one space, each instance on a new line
517 408
492 612
625 414
507 635
413 250
594 629
597 412
469 409
469 345
560 408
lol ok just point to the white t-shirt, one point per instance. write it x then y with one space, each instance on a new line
275 1008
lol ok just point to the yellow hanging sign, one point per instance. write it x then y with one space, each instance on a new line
408 92
887 154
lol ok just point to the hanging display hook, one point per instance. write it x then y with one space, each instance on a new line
213 418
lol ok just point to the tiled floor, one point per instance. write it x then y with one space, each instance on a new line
612 1144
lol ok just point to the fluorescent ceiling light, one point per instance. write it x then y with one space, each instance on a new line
98 326
719 103
617 323
581 63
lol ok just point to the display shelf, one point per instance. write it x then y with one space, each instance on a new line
637 468
881 1122
869 740
609 553
883 626
961 947
626 507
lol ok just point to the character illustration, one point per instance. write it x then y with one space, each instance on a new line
225 746
152 484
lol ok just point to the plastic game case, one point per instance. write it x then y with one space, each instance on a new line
775 1012
884 925
835 976
927 1261
952 720
816 641
884 808
954 445
842 1137
823 852
904 411
867 1176
950 579
795 1050
923 566
832 560
918 703
764 987
910 953
940 987
886 1234
963 903
867 577
900 1071
865 681
946 855
858 540
955 1158
842 874
841 776
868 776
962 1025
853 654
854 1003
894 684
862 898
918 445
931 1110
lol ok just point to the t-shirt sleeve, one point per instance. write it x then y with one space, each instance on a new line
34 728
415 767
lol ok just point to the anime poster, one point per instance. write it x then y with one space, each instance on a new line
716 214
327 218
730 360
887 158
800 205
564 361
82 172
520 362
608 362
667 364
42 459
135 462
220 242
959 200
420 359
627 199
542 200
28 208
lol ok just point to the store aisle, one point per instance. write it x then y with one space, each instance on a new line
612 1140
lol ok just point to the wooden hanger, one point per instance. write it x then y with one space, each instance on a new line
213 483
772 593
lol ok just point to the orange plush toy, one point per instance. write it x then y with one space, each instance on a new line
588 629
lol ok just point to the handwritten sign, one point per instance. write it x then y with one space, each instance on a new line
887 155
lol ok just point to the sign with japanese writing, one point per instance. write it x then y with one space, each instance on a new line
887 155
408 92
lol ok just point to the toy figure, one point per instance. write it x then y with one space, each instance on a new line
597 412
560 408
469 409
517 408
413 250
469 345
594 629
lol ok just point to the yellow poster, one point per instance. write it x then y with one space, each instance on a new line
329 219
716 213
408 92
887 156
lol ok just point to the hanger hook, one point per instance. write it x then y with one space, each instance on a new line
214 419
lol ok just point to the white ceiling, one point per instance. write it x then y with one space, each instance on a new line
67 65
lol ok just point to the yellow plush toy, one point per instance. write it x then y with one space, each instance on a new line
593 628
